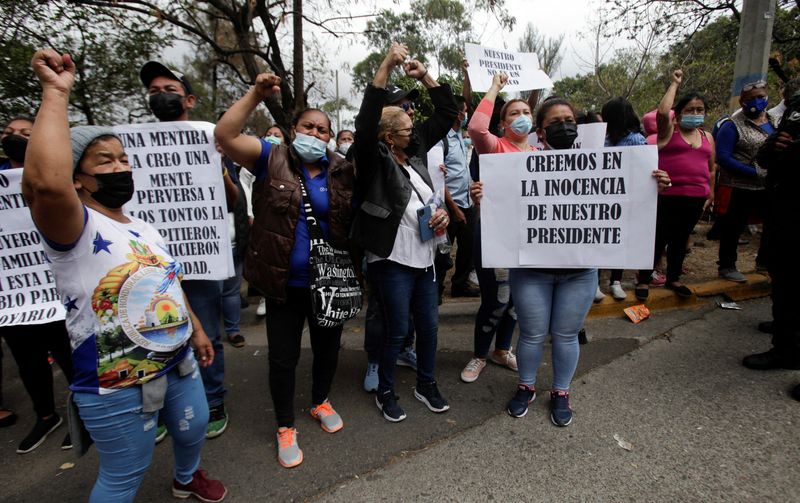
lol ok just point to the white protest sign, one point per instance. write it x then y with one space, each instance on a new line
570 208
177 174
591 135
27 287
522 69
435 159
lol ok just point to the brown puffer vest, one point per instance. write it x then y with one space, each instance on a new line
276 210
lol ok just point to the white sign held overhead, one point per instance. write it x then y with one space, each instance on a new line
569 208
522 68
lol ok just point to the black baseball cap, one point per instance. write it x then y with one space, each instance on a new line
153 69
396 94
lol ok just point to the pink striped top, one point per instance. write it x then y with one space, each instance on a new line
687 166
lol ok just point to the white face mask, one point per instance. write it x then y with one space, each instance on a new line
344 147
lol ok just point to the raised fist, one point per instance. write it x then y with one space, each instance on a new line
267 84
54 70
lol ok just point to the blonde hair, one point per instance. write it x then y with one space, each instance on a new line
391 121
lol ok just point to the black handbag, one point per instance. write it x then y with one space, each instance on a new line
335 292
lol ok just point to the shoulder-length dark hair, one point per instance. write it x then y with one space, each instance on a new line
621 119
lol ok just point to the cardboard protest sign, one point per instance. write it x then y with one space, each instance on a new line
522 68
177 175
570 208
28 293
592 135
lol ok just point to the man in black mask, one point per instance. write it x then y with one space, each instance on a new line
14 141
170 100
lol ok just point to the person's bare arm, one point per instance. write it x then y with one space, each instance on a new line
242 148
47 182
663 122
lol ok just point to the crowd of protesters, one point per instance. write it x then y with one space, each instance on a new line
365 191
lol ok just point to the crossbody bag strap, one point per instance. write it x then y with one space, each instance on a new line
314 229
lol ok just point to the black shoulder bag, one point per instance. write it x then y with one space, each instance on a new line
335 292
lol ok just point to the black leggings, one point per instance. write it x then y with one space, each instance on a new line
29 344
677 216
284 333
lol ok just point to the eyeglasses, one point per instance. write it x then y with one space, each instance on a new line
760 84
408 129
407 106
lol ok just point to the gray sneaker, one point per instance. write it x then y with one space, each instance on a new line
328 419
731 274
289 453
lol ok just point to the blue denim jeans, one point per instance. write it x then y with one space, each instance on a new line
496 314
125 437
555 304
406 291
375 325
232 297
205 298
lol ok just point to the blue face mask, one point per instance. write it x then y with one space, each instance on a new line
272 139
522 125
467 142
692 121
465 121
753 108
310 149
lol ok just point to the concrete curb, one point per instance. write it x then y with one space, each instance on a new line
660 298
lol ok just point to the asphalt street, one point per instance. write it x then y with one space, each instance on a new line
700 426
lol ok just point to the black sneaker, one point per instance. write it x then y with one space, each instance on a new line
518 405
38 434
560 411
217 421
66 444
772 359
428 394
387 403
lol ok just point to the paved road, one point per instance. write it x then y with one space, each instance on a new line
702 427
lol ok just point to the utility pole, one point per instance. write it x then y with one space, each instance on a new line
297 32
752 48
338 105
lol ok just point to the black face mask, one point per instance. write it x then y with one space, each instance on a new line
113 189
166 106
14 146
561 135
413 144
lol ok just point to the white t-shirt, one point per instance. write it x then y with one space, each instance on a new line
408 248
127 317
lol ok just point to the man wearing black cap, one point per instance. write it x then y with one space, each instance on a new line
398 97
170 100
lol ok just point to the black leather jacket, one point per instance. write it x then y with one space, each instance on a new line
382 186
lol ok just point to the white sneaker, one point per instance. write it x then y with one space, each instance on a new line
473 369
599 295
261 310
617 292
505 359
473 278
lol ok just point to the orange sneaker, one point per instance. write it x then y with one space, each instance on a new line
328 419
289 453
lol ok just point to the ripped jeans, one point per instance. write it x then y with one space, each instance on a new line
125 438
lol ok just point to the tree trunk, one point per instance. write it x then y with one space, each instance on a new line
298 81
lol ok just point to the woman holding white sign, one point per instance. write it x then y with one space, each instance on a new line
550 301
300 190
127 317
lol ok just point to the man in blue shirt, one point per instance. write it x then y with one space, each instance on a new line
459 205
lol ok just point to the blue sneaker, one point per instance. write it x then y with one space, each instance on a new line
518 405
371 379
560 411
408 358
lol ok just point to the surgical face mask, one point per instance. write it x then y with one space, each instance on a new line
465 121
113 189
14 146
692 121
166 106
561 135
467 142
521 125
272 139
309 148
753 108
344 147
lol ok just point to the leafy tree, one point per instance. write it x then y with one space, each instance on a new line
107 88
